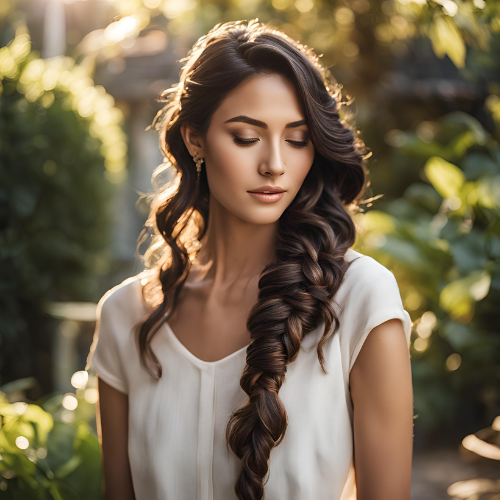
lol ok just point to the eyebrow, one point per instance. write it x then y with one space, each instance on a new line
258 123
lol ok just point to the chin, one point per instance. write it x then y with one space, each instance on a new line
266 215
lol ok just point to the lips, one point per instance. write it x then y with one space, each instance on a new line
268 190
267 197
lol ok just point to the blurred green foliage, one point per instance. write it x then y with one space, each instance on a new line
48 451
442 240
62 150
325 25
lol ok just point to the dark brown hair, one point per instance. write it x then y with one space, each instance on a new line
297 288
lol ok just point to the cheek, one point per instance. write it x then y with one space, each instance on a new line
300 164
227 166
229 175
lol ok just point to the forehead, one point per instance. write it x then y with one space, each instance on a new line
270 98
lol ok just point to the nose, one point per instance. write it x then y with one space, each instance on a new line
272 165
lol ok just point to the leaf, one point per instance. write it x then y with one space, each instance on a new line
72 464
377 221
55 492
461 144
447 40
61 490
446 178
459 296
458 122
42 421
489 192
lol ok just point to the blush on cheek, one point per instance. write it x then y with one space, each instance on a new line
229 168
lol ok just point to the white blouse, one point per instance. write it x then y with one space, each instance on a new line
177 446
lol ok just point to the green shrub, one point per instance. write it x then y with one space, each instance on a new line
48 451
62 151
442 240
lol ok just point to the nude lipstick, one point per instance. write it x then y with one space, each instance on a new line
268 194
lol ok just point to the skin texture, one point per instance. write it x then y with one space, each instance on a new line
112 430
382 395
223 283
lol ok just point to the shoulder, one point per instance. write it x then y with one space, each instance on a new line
369 289
112 348
365 271
368 297
123 297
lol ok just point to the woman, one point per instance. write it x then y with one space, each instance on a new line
232 367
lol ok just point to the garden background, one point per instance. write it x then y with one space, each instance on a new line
78 83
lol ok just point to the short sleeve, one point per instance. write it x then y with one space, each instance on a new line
105 352
374 298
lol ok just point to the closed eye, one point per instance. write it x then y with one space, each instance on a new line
248 142
298 144
244 142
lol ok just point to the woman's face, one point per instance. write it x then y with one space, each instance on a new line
257 137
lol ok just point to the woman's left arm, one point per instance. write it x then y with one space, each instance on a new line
382 395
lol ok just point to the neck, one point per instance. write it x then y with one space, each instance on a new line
233 249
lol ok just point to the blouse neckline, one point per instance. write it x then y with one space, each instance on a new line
188 354
182 349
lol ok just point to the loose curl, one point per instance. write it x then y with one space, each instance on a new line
297 288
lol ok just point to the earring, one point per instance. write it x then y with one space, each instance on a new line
198 161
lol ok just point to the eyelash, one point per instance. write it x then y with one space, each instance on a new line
248 142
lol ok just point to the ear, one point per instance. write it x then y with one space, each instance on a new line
192 140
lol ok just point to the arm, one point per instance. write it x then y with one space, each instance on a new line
382 395
112 429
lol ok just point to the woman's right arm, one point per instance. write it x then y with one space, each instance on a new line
112 429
